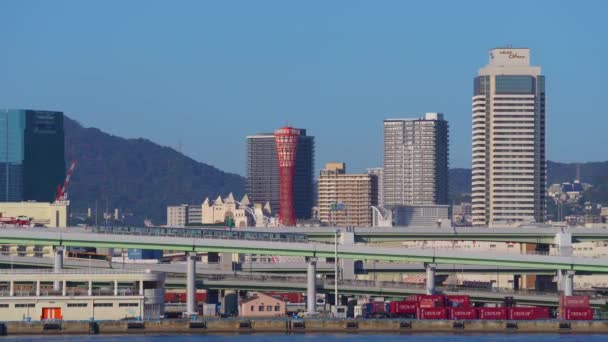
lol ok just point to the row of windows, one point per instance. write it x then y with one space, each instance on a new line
266 308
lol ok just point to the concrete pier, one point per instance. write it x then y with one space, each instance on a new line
430 278
311 289
191 284
287 326
58 266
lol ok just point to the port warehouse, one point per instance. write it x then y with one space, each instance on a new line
33 295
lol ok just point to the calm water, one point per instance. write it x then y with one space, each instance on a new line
314 337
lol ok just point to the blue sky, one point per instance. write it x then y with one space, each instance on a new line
204 74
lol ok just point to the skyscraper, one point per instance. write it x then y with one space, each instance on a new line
415 161
263 178
32 162
508 174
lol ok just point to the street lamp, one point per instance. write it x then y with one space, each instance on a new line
336 267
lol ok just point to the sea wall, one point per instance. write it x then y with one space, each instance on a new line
290 326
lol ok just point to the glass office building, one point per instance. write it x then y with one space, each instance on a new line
32 159
263 179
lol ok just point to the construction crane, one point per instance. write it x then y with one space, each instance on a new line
62 191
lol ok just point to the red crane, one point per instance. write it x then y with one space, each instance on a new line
62 193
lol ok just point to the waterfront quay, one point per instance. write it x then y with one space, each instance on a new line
299 326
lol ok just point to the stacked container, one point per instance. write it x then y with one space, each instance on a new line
575 308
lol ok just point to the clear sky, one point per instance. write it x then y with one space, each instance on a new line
204 74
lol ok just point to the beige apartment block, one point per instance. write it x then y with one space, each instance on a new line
345 199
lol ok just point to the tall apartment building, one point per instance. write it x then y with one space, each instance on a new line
32 160
345 199
508 173
415 161
376 173
263 178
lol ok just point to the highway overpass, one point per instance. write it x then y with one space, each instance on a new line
292 268
78 238
391 234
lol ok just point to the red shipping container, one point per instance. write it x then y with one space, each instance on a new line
528 313
463 313
432 313
493 313
573 302
435 298
403 308
458 301
542 313
577 314
378 307
431 301
201 297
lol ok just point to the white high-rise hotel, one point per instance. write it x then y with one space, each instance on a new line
509 172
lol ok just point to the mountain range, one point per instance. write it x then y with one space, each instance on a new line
137 176
142 178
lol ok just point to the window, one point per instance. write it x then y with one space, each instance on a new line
77 305
261 308
252 308
103 305
269 308
122 305
3 305
28 305
277 308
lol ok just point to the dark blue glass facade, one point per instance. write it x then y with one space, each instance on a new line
514 84
32 162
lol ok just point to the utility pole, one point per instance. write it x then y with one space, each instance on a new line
6 156
336 299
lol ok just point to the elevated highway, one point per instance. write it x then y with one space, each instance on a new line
369 267
392 234
58 237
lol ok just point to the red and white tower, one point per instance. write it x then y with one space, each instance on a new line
286 140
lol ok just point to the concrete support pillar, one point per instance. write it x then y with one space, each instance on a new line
559 280
90 291
563 243
347 265
11 291
37 288
311 289
58 266
141 287
226 262
64 288
115 287
191 284
569 283
430 278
